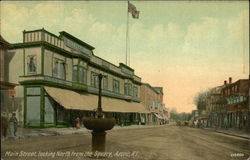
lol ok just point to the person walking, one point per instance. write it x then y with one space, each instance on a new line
77 123
13 124
4 125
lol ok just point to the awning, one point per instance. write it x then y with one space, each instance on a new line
73 100
158 116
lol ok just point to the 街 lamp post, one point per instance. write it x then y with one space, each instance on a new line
99 108
99 124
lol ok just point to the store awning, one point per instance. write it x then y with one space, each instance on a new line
74 100
158 116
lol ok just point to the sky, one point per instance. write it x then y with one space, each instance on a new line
185 47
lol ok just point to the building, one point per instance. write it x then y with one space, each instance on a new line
237 114
58 82
214 107
7 94
152 99
227 106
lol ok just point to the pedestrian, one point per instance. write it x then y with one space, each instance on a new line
77 123
196 123
13 124
4 125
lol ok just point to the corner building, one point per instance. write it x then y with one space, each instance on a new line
57 82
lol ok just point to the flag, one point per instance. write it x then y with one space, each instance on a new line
133 11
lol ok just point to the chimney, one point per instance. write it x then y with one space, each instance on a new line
225 82
230 80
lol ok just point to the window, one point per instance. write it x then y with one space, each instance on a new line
49 110
135 92
241 98
237 88
116 86
94 79
82 75
128 89
105 82
79 74
59 70
31 64
33 105
74 76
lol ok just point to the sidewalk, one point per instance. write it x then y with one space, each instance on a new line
232 132
24 133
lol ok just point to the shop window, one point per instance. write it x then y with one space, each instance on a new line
33 105
31 64
62 114
49 110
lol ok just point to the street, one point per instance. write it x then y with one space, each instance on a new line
167 142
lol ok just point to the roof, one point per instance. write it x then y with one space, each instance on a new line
4 85
125 66
89 102
238 81
63 33
159 89
155 89
4 43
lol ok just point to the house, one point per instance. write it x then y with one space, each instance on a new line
57 77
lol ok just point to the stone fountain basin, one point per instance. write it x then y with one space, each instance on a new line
99 124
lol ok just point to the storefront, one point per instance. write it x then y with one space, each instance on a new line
50 106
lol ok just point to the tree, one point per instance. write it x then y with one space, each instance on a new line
200 100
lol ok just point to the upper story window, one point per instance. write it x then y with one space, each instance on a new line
135 90
59 69
94 79
116 86
237 88
75 74
128 89
31 64
105 82
79 74
82 75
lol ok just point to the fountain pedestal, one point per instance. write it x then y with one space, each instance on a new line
98 141
99 125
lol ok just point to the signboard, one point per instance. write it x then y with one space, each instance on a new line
77 47
11 93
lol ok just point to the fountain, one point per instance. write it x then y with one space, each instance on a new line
99 124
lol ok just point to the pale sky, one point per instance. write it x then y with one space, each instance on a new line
185 46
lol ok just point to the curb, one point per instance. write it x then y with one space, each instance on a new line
231 134
41 133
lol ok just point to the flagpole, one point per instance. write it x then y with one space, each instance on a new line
127 36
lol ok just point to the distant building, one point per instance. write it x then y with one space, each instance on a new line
152 99
237 97
7 93
214 109
58 82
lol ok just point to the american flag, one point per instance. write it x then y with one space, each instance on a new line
133 11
